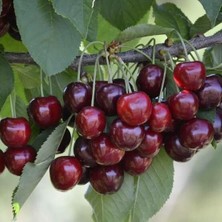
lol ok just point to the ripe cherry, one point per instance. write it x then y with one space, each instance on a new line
2 162
76 96
104 151
183 105
90 122
196 133
106 179
150 79
151 143
217 124
160 118
85 176
134 108
134 164
15 132
126 137
65 142
65 172
190 75
16 158
45 111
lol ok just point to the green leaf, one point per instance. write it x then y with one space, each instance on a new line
124 13
139 198
6 79
212 9
169 16
201 26
142 30
170 85
20 108
207 114
33 172
52 40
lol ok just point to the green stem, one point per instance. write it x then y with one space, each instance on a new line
163 81
194 49
41 83
108 65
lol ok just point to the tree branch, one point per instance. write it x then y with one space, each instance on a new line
132 55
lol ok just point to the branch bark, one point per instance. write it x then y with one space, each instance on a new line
131 55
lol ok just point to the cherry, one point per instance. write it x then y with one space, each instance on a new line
104 151
126 137
106 179
6 5
65 142
151 143
196 133
134 108
16 158
134 164
90 122
160 118
176 151
82 151
15 132
217 124
65 172
107 96
183 105
2 162
76 96
190 75
150 79
85 176
210 93
45 111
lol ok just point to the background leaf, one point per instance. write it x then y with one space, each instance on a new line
52 40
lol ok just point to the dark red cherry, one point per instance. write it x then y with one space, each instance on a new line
90 122
210 93
65 172
150 79
45 111
98 84
126 137
176 151
217 124
82 151
183 105
2 162
151 144
107 96
134 164
104 151
134 108
15 132
6 5
16 158
160 118
106 179
196 133
65 142
76 96
190 75
85 176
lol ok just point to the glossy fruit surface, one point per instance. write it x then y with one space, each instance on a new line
2 162
134 164
183 105
76 96
16 158
151 143
15 132
65 142
45 111
196 133
150 79
90 122
83 152
104 151
190 75
176 151
126 137
134 108
160 118
65 172
217 124
107 96
210 93
107 179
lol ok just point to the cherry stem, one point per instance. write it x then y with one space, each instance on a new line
163 81
194 49
154 49
108 64
183 44
41 83
72 142
12 99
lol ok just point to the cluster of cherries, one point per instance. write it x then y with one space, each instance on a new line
8 20
123 131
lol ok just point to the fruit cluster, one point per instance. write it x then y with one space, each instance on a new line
123 131
8 20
